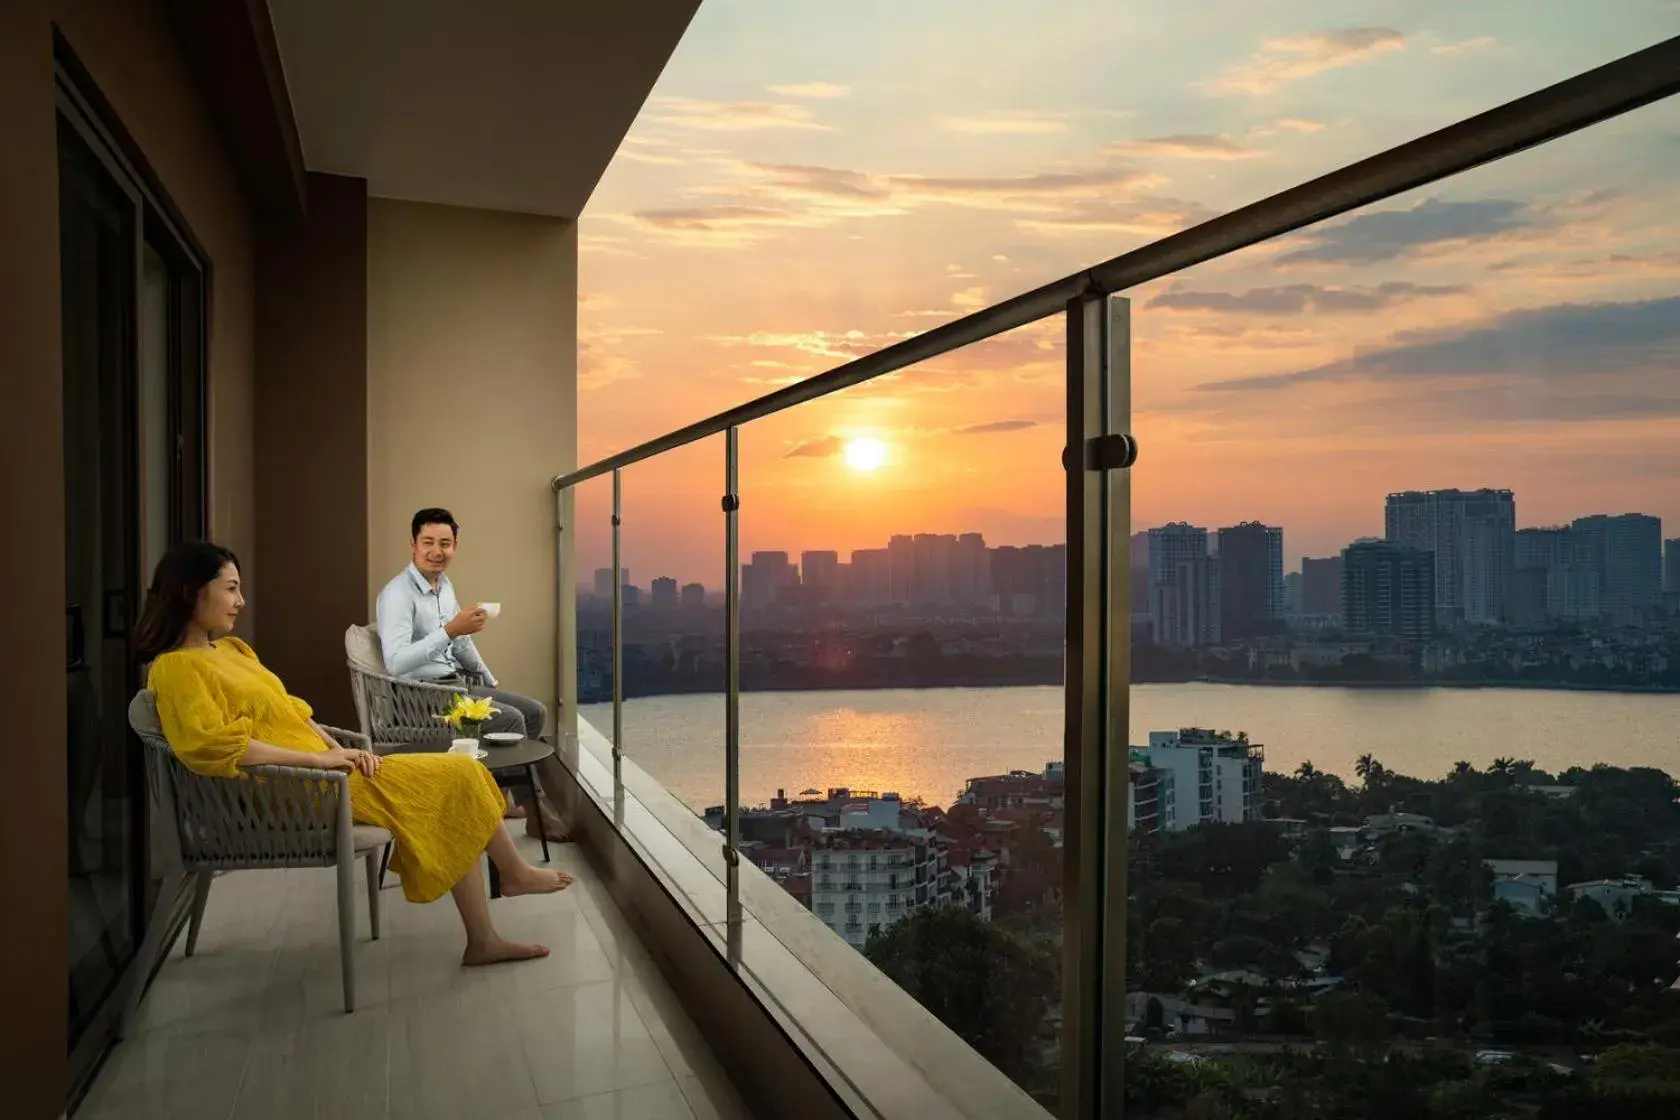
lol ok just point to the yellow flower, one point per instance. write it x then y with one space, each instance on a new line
468 709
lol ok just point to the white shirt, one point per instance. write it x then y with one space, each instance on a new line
411 614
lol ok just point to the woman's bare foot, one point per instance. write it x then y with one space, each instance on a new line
534 880
514 813
499 951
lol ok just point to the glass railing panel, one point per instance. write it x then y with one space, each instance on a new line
671 543
903 583
1405 661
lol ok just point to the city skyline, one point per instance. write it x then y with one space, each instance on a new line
803 187
1293 559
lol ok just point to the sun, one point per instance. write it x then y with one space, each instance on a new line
865 454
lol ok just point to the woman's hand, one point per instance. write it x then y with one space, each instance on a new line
338 758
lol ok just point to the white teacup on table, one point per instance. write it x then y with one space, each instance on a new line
491 610
468 747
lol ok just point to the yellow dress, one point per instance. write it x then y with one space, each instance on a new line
442 808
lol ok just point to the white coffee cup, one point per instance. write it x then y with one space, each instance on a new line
491 610
463 746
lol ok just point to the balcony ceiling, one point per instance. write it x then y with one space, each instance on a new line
500 104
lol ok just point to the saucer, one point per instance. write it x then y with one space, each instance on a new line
505 737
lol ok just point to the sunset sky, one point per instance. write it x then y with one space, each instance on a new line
810 182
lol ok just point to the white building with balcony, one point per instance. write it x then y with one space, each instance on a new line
863 881
1214 776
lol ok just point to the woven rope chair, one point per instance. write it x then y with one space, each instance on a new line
396 714
277 817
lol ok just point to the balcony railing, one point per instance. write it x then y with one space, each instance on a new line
1099 448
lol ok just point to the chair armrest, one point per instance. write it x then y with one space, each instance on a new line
294 773
353 740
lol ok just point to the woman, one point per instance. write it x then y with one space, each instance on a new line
222 711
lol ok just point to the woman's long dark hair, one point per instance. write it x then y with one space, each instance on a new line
173 596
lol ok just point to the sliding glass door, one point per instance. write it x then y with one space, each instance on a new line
133 484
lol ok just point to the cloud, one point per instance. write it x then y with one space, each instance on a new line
733 116
759 198
994 427
1466 46
817 447
1183 146
811 91
601 357
1291 299
1010 122
969 299
1299 124
1384 235
841 345
1547 349
714 226
1621 266
1142 217
1288 59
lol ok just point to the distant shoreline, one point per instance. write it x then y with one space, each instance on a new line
1476 686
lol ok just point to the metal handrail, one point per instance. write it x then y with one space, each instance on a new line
1618 87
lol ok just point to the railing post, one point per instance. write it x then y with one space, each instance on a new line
1097 680
617 623
562 656
732 663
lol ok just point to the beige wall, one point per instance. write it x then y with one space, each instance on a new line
130 51
472 405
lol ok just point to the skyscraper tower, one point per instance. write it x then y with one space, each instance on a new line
1472 535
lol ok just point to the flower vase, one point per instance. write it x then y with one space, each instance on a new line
473 729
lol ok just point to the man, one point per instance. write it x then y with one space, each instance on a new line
426 635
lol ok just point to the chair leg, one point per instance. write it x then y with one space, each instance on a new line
347 929
151 946
373 867
537 808
385 862
201 896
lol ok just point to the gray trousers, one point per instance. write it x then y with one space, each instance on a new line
519 714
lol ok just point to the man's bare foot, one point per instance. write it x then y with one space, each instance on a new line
534 880
514 813
498 951
557 832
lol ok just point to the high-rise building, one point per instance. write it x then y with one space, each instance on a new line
1626 552
1029 581
1250 580
1294 594
1472 537
819 573
693 596
763 579
1572 583
901 568
870 583
971 571
1321 586
1176 552
664 595
1388 589
1185 605
603 581
1671 566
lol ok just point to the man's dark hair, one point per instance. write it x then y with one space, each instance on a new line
432 516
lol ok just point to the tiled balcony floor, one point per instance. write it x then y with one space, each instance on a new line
253 1024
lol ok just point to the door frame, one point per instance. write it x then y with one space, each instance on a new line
158 223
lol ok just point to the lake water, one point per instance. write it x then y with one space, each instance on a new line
927 743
